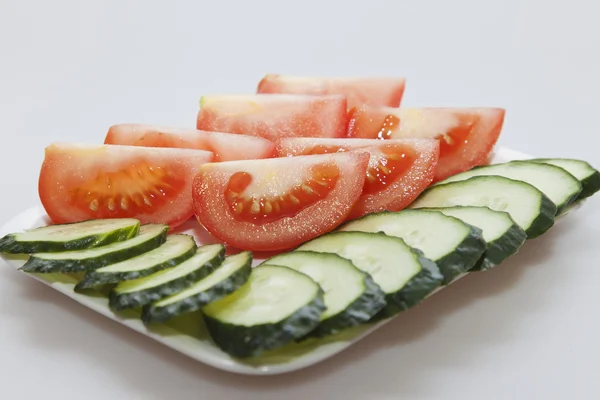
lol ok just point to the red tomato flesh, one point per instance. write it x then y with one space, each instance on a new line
154 185
358 91
466 135
273 116
225 146
399 170
279 203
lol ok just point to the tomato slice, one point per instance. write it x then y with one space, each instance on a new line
399 169
81 182
466 135
278 203
358 91
272 116
225 146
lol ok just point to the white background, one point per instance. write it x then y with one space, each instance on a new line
527 330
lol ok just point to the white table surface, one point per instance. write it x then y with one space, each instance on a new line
527 330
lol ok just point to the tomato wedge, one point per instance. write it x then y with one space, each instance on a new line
278 203
79 182
358 91
273 116
467 135
225 146
399 170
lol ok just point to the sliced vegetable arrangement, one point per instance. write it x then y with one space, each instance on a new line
368 209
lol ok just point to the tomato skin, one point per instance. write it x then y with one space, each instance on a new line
401 191
272 116
359 91
468 134
214 213
224 146
78 182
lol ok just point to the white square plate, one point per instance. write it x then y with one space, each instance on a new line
186 334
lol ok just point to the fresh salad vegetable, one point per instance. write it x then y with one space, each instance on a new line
527 206
399 170
583 171
276 306
557 184
139 292
73 236
365 210
466 135
176 249
358 91
224 146
452 244
402 272
149 238
276 204
153 185
225 279
350 295
503 236
273 116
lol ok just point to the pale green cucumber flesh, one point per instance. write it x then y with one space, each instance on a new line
502 235
149 238
228 277
176 249
558 185
587 175
527 206
71 236
142 291
276 306
403 273
453 245
351 296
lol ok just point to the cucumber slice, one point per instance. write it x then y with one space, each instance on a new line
175 250
504 236
403 273
275 307
150 237
453 245
587 175
557 184
224 280
351 296
142 291
73 236
527 206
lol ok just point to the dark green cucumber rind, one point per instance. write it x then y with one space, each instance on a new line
41 265
251 341
463 257
122 301
8 244
95 279
590 184
545 220
417 289
500 249
154 314
362 310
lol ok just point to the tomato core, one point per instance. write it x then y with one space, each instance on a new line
260 210
397 161
457 136
137 189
